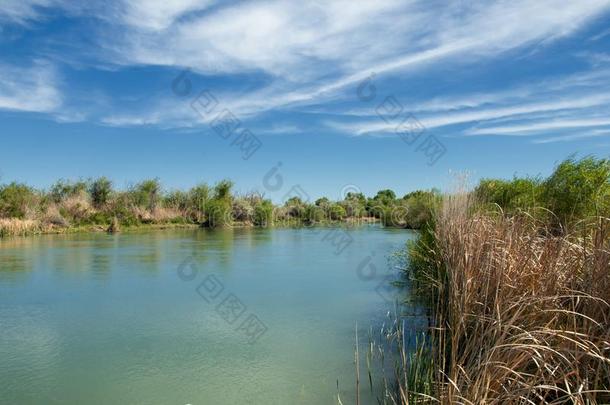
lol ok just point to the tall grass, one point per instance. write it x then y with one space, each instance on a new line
519 314
18 227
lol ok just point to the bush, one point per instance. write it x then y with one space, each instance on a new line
420 208
16 199
64 189
198 197
178 200
578 189
295 208
511 195
336 212
242 210
147 194
218 209
100 190
354 204
314 214
263 213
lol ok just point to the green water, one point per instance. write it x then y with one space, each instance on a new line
102 319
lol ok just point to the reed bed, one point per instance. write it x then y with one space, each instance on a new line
519 313
18 227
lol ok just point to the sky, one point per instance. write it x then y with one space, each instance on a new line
321 97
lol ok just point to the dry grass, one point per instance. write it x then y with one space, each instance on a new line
18 227
520 316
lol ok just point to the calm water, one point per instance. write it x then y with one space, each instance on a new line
101 319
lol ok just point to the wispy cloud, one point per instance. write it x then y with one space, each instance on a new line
312 54
574 137
537 127
31 89
22 11
314 51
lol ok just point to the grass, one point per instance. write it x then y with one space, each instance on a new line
516 280
519 313
19 227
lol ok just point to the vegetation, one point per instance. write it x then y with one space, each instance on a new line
519 301
95 204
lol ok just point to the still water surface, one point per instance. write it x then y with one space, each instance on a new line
115 319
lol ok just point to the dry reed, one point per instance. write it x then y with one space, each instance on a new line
519 315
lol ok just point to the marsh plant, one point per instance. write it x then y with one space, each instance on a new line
518 295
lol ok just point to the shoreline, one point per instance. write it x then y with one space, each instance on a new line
27 228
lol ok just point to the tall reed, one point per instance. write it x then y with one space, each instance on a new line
519 314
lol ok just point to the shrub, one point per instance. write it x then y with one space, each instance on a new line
147 194
198 197
336 212
295 207
314 214
354 204
420 207
100 190
510 195
177 200
263 213
64 189
242 210
578 189
16 199
218 209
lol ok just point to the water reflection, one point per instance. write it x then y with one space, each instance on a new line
127 329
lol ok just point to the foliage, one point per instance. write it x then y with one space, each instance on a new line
218 208
100 190
263 213
178 200
511 195
242 210
578 189
198 197
314 214
147 194
295 207
63 189
336 212
16 199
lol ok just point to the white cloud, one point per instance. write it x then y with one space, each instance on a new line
157 15
340 43
518 111
22 11
31 89
574 137
537 127
312 53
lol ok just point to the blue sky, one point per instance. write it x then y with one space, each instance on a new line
341 93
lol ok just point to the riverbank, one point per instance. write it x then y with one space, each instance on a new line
20 227
516 276
88 205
